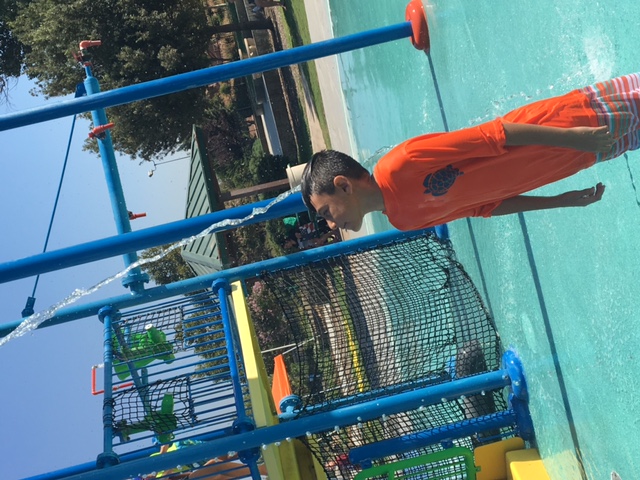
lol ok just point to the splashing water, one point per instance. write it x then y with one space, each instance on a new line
34 321
372 159
500 105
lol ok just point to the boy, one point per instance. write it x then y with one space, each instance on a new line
483 170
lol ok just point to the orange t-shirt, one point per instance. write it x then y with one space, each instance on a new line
436 178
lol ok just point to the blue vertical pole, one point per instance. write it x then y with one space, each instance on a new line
138 381
221 286
243 423
135 279
108 457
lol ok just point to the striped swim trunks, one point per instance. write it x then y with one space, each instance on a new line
617 105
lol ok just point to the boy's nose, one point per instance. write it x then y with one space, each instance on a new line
332 225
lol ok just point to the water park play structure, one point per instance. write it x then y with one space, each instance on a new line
395 370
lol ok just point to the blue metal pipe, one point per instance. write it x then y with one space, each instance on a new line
133 371
181 368
255 471
349 415
135 279
125 457
139 240
406 443
222 287
239 273
308 410
108 457
200 78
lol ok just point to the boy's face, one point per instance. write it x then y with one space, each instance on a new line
341 209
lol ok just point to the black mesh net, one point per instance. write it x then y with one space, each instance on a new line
379 322
161 408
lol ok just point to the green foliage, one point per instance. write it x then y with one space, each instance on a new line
142 40
208 342
265 167
12 51
249 244
227 141
262 241
168 269
297 28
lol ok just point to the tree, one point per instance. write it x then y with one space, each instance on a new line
168 269
12 51
142 40
227 141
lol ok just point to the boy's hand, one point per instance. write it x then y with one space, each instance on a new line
591 139
582 198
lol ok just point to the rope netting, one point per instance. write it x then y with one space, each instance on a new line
380 322
162 408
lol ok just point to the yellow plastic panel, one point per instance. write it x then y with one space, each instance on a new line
526 465
491 458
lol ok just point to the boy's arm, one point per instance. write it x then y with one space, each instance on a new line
588 139
574 198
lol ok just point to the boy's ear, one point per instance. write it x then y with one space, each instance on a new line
343 183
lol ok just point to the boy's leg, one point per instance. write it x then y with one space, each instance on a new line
617 105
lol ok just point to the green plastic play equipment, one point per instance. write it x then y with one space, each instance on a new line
162 422
455 462
141 350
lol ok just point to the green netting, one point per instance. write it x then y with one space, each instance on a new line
451 464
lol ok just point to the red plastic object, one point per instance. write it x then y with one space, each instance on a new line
100 392
98 132
89 43
133 216
416 15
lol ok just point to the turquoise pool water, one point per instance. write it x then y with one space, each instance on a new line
562 285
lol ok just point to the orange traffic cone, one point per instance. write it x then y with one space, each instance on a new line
281 387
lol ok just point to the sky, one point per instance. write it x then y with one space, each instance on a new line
49 419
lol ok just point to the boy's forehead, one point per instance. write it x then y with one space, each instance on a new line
316 200
321 200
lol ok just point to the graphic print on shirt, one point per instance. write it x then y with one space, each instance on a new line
438 183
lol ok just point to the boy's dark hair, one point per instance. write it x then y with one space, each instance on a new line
318 174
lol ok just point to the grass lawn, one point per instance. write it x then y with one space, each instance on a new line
298 35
